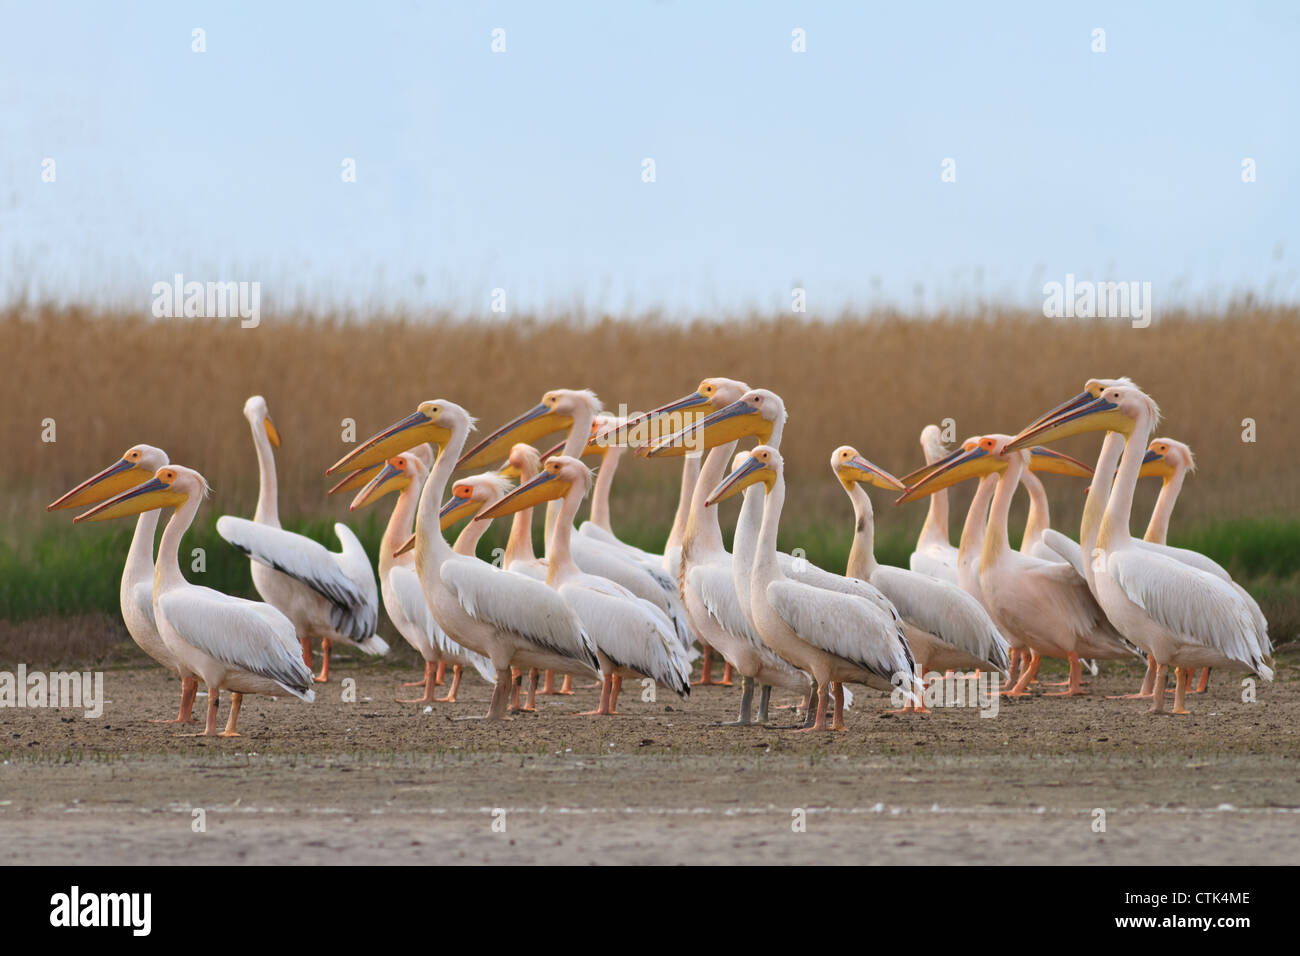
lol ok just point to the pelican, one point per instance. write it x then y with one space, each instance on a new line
509 618
945 627
1182 615
1045 604
632 636
760 413
934 554
229 643
832 636
327 594
576 410
400 585
138 464
706 574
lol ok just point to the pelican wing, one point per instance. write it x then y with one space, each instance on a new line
1192 604
944 610
250 635
344 578
631 632
520 605
716 589
932 567
1068 549
844 625
405 583
590 529
648 583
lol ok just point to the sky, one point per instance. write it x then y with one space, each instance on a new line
524 170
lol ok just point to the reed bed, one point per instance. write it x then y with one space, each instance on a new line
109 380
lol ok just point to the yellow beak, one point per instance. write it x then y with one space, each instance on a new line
153 494
457 509
355 479
738 420
408 546
1095 415
545 487
969 464
913 477
749 473
112 481
388 479
538 422
392 441
271 431
859 469
1155 465
1047 461
640 430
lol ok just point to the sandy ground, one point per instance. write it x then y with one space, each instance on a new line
375 781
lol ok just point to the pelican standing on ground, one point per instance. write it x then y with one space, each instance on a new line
138 464
327 594
1183 616
400 585
1043 603
229 643
509 618
576 410
945 627
632 636
832 636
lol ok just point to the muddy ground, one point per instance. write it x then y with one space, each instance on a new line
376 781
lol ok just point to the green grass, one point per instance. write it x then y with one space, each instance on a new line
76 571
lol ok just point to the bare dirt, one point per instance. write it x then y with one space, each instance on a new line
375 781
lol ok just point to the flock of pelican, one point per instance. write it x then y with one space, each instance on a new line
592 606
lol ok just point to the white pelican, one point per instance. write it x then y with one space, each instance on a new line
833 636
1045 604
1182 615
509 618
632 636
327 594
1138 579
934 554
576 410
945 627
400 585
229 643
138 464
760 413
706 574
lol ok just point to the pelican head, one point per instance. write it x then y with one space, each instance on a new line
359 477
754 414
976 458
523 462
1114 407
558 476
555 412
170 487
762 463
710 395
433 421
470 495
396 474
258 416
138 463
1165 457
850 467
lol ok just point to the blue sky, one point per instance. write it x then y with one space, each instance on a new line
522 170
